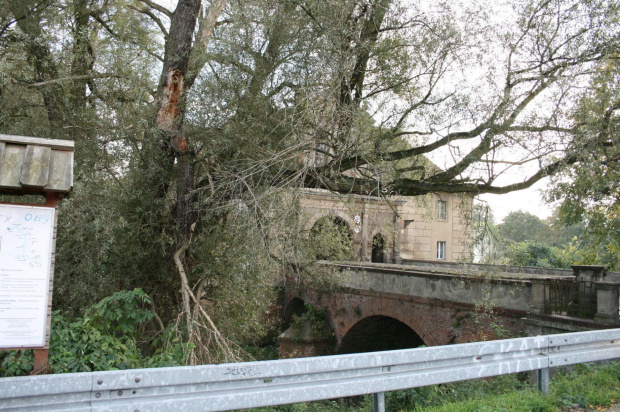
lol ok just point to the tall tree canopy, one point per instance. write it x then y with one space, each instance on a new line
188 121
589 190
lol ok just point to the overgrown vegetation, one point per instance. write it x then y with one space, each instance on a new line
195 127
523 239
111 334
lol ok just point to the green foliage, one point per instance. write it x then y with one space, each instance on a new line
372 84
16 362
171 349
577 253
80 346
535 254
521 226
526 240
318 321
121 313
236 274
589 191
105 338
260 353
523 401
331 239
587 386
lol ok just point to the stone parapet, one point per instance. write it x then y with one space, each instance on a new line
607 302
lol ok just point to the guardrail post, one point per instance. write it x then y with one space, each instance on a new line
378 402
543 380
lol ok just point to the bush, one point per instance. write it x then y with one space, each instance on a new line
103 339
534 254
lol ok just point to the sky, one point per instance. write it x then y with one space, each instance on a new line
527 200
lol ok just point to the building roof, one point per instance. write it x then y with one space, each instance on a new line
32 165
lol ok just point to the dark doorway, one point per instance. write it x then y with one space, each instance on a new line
379 333
378 248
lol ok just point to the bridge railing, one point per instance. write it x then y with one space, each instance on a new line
256 384
573 297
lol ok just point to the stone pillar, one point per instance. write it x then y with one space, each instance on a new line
607 303
537 304
587 277
301 341
589 273
398 228
364 234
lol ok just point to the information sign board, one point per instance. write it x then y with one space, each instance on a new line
26 246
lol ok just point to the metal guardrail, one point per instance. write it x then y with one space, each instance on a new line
256 384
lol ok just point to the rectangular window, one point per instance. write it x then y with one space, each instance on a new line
441 210
441 250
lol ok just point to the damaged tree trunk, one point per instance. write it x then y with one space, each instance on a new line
171 111
183 60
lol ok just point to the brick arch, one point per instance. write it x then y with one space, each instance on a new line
295 306
378 333
331 212
348 309
388 239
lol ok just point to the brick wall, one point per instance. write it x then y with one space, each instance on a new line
437 322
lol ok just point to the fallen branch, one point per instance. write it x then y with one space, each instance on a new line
187 294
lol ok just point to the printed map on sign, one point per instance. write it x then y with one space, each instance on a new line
26 234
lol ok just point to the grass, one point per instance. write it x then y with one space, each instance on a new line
585 386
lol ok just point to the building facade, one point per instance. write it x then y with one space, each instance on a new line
396 229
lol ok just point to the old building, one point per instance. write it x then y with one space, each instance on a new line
396 229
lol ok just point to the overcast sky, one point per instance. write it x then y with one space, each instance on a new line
528 200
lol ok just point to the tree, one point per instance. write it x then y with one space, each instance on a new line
521 226
588 191
330 239
552 45
529 253
527 240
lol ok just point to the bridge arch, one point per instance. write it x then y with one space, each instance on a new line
295 307
379 333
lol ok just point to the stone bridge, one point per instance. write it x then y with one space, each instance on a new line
372 306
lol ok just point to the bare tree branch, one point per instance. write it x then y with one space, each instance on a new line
77 77
157 7
153 17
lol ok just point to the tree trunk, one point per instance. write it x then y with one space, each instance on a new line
40 59
170 111
83 55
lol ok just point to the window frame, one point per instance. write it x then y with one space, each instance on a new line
441 250
442 210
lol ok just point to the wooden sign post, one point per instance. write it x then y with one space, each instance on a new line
28 239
